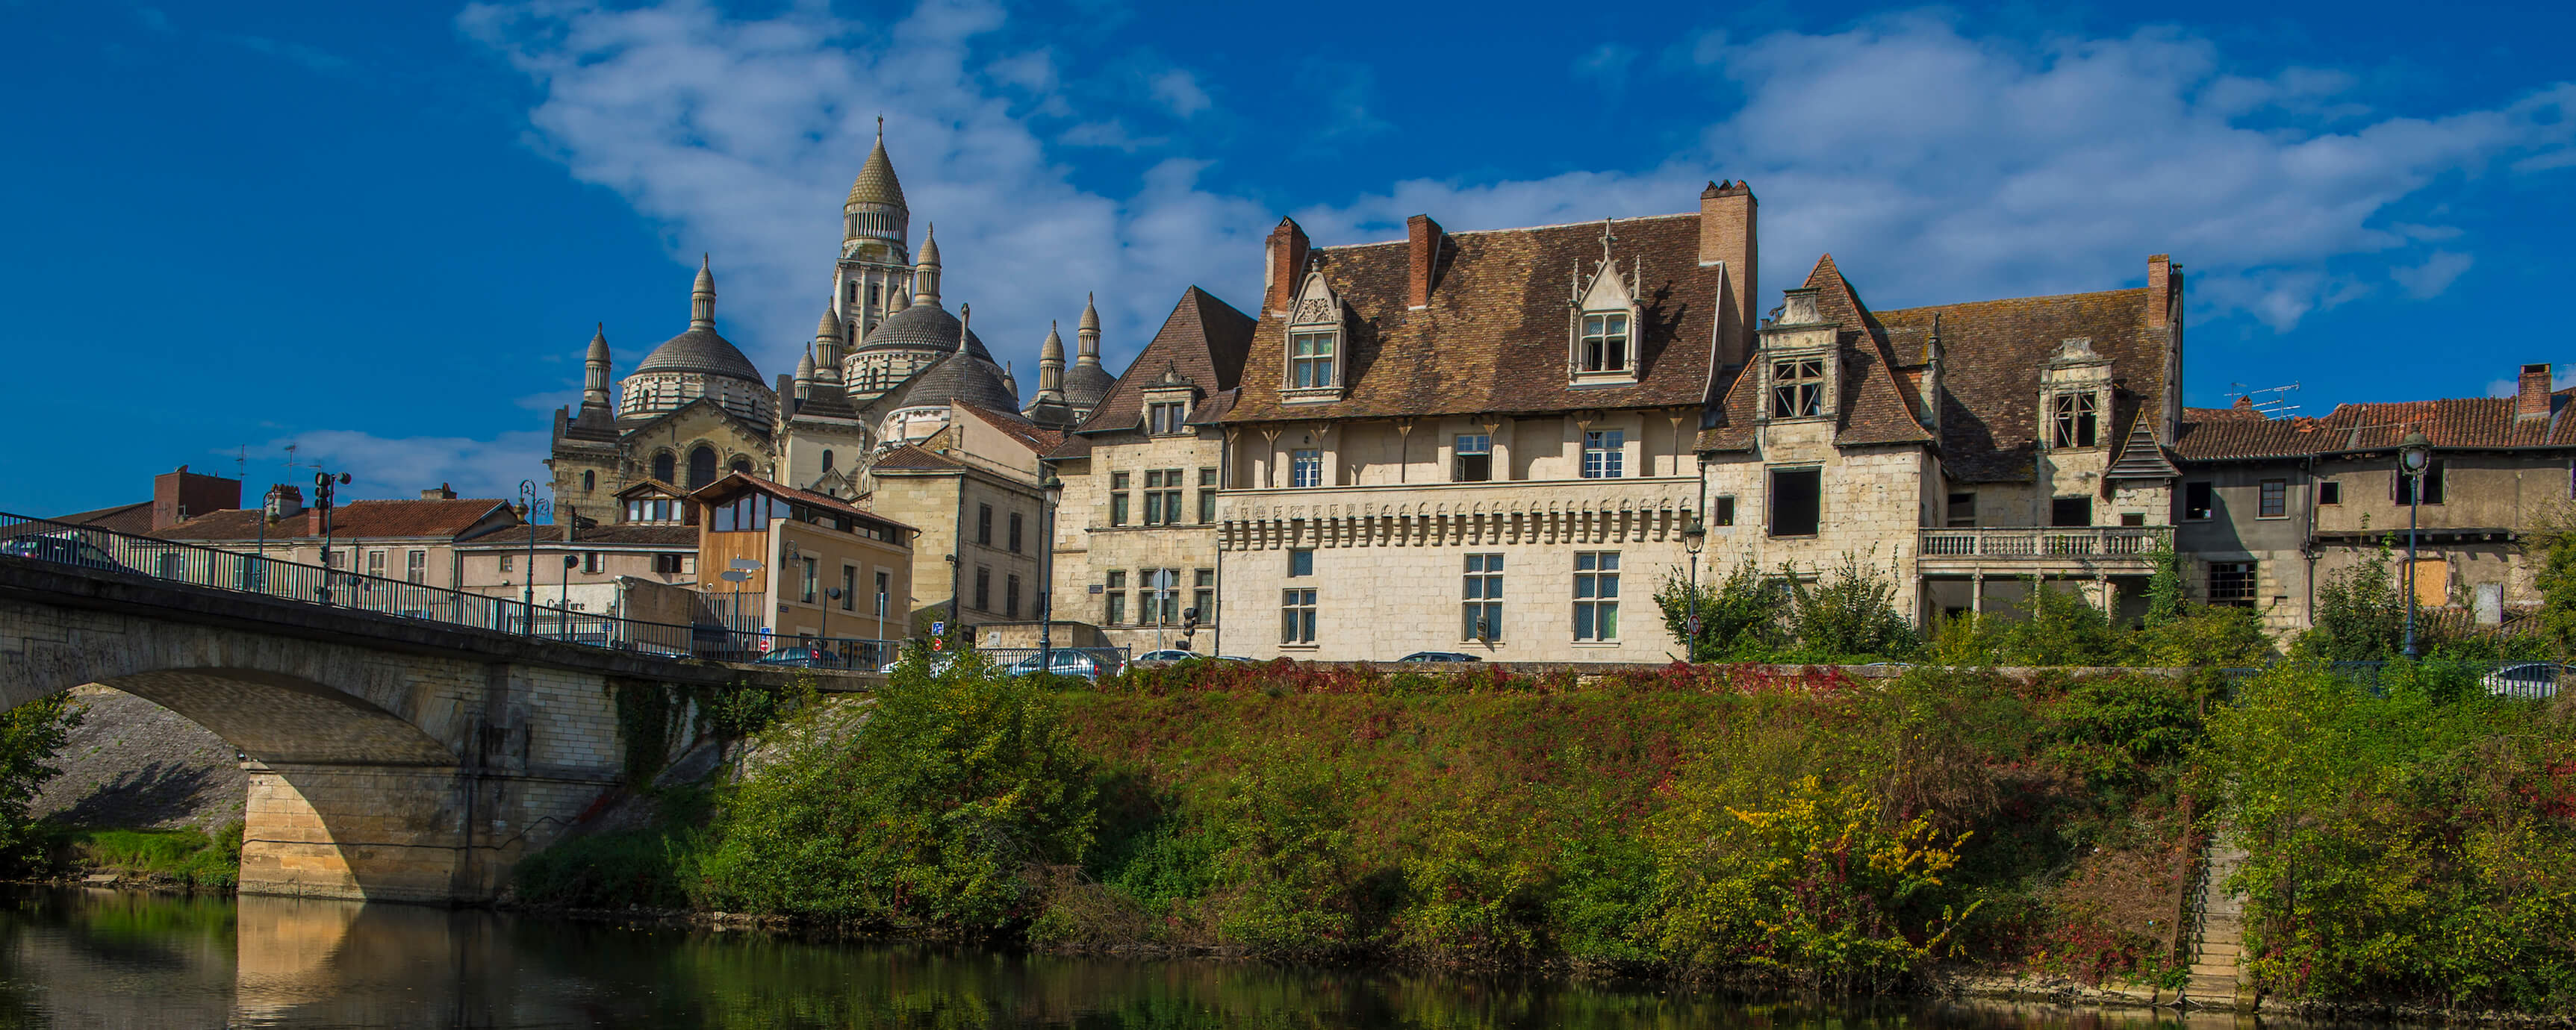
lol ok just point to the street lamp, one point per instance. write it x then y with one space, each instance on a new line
563 601
1051 491
1694 538
2416 455
831 595
529 507
322 484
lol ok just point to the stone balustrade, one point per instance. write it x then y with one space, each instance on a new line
1585 511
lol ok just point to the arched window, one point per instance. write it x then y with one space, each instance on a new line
741 463
702 466
663 468
589 481
827 461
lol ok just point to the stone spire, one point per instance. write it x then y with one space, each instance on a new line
827 347
1087 334
594 371
925 275
805 375
876 208
1051 362
702 296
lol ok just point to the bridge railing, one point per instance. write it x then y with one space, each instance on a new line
197 565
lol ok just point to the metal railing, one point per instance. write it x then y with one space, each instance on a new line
2530 679
196 565
2034 543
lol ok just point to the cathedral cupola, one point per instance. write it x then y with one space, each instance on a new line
875 210
594 372
702 296
925 275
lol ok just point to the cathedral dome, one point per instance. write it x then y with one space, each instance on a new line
963 378
923 326
1086 383
700 351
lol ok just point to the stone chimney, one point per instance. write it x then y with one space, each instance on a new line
1422 244
441 492
1287 262
2160 291
183 495
1727 234
284 501
2531 398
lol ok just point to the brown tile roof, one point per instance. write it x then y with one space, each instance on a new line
428 519
2467 423
1493 338
123 518
1992 354
622 535
2242 411
2229 436
731 480
915 458
1018 428
1876 406
1205 338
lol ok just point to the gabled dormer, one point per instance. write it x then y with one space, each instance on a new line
1797 361
2075 398
1603 321
1318 341
1168 402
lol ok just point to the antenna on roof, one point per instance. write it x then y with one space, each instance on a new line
2269 401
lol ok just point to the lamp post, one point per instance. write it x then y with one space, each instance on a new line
2415 455
529 507
831 596
322 484
563 600
1051 491
1694 538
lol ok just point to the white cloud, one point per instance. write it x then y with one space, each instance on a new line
404 466
1180 92
2435 275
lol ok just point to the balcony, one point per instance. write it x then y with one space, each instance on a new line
1627 510
2019 549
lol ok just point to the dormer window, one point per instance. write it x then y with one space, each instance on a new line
1605 342
1798 388
2077 421
1165 418
1314 371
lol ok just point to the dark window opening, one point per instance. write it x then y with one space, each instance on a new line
2232 583
2070 511
1797 501
702 467
2432 480
2198 501
2329 492
1722 513
664 467
1962 512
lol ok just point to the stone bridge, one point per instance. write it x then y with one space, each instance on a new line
390 758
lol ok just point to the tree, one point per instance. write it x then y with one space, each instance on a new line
1741 616
30 735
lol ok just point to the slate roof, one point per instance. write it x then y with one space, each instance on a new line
923 326
1206 339
1085 383
1493 338
429 519
2465 423
699 350
954 377
915 458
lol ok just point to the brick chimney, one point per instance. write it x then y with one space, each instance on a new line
183 495
1287 263
2531 398
2160 291
1726 234
1422 244
286 499
441 492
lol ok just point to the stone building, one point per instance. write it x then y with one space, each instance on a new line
2270 508
805 548
409 541
1136 532
971 487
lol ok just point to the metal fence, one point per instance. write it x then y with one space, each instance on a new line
2531 679
106 550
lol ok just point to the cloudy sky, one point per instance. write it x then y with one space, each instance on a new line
382 233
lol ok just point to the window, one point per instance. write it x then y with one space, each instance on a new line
1164 418
1118 498
1722 513
850 289
1472 459
1207 496
331 559
984 525
827 461
1163 599
1015 533
1301 562
1798 388
508 561
662 467
1296 617
811 570
2070 512
749 513
650 511
1203 594
589 480
2198 502
1482 598
1117 611
589 562
1011 596
2432 480
2275 499
1604 453
1962 512
375 563
702 466
667 564
416 566
1310 360
1596 595
1162 497
2329 491
1797 501
2076 420
2232 583
2133 519
885 592
740 463
1605 343
983 589
1306 468
849 588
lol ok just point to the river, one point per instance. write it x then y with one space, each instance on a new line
73 957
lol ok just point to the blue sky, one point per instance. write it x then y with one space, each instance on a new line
382 232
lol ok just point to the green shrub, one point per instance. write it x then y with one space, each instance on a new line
1848 613
30 736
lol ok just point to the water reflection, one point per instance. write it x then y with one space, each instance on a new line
101 958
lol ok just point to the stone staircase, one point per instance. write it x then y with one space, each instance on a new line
2217 980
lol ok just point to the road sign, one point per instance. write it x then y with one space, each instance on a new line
766 640
733 575
745 564
938 629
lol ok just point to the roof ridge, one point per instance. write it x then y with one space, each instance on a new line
1516 228
2009 300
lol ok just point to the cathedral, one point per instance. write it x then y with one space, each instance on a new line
886 367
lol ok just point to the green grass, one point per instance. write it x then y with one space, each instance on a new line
184 855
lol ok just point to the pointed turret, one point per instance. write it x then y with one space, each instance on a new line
594 371
805 375
827 347
1011 381
1086 382
925 275
1048 409
1087 333
876 208
702 296
1051 362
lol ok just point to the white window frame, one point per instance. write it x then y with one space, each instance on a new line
1601 329
1605 453
1481 597
1297 617
1314 355
1306 467
1594 573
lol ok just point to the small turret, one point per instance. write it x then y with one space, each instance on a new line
702 296
1051 362
594 371
805 375
925 274
1087 334
827 347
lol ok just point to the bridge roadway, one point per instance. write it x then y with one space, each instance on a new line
390 758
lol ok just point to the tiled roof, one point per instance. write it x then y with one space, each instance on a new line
914 457
1493 338
1018 428
430 519
123 518
2469 423
1992 354
1876 405
776 489
1206 339
622 535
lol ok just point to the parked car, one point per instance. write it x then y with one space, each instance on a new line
801 656
1169 654
939 664
2526 679
64 548
1440 656
1065 663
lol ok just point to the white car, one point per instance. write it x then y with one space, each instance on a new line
2526 679
1169 654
